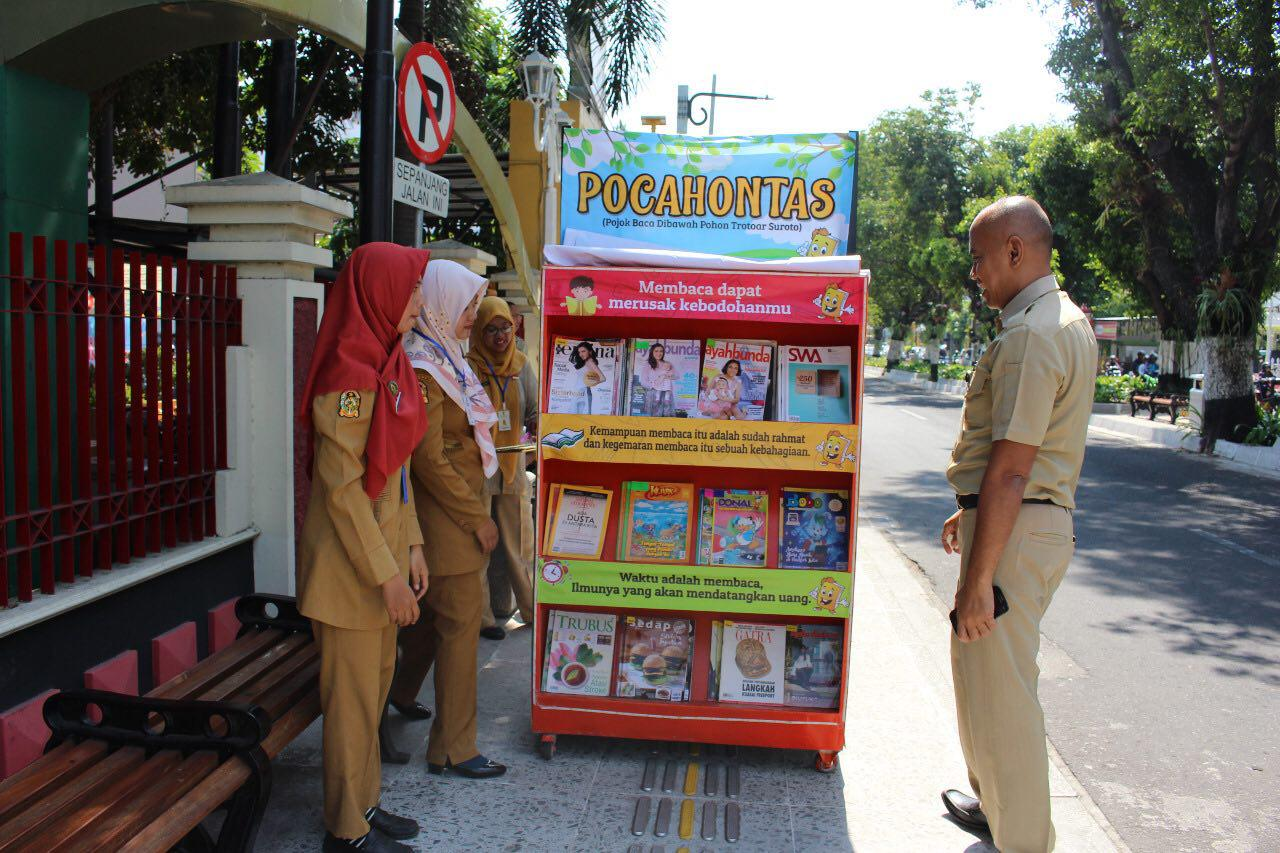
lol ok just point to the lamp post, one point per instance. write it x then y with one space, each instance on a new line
541 84
684 107
377 117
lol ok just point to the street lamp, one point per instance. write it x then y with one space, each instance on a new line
540 85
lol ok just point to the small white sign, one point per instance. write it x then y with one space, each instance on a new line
421 188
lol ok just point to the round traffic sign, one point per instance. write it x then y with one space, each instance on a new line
426 102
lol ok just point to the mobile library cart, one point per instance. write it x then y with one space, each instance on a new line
696 651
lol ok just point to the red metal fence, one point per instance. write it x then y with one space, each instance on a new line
113 376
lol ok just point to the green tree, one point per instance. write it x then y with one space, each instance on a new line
625 31
913 190
1187 93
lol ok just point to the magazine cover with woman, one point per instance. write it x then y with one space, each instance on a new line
664 378
584 377
735 380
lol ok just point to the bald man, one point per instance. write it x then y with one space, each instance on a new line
1014 469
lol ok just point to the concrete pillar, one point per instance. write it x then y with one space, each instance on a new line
266 227
477 260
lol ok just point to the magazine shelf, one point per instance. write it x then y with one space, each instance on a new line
773 459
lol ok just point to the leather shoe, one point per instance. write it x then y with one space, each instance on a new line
493 632
412 710
473 768
965 809
392 826
374 842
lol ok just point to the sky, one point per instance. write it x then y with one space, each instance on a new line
838 65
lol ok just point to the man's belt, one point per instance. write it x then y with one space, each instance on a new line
971 501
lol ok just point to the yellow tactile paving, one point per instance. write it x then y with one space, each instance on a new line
686 819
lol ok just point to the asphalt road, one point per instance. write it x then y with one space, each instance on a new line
1161 671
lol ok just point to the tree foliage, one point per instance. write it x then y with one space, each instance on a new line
625 31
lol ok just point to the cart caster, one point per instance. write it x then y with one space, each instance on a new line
547 747
826 762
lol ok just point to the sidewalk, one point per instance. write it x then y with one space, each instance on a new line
884 797
1255 460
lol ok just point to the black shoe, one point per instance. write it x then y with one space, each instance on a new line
411 711
374 842
391 754
392 826
965 809
493 632
473 768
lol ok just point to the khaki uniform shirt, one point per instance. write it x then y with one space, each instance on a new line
1034 385
448 481
350 544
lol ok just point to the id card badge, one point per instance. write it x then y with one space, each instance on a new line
504 420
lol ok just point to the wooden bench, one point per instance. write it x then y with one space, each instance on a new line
1154 402
140 773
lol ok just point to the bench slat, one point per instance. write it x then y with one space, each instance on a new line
118 826
238 685
293 683
18 833
60 767
220 785
83 818
214 668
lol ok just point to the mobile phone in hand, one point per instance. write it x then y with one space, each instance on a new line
1002 607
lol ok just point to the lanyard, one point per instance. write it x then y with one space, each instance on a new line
458 374
506 380
404 485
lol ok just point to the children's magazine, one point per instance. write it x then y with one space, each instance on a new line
656 520
815 529
733 527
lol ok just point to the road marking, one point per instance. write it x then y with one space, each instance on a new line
914 415
1240 549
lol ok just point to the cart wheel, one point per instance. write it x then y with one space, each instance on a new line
547 747
826 762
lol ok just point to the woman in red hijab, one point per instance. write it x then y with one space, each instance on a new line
361 568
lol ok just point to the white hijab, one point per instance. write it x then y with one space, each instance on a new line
447 289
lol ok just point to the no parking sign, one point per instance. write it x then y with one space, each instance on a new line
426 102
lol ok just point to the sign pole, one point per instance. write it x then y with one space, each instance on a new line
376 150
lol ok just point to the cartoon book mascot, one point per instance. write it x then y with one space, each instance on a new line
582 300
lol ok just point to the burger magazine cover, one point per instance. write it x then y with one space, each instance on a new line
653 661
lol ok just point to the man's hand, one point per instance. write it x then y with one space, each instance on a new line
951 533
487 536
975 611
417 572
402 607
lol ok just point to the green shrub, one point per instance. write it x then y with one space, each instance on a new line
1267 432
875 361
1115 389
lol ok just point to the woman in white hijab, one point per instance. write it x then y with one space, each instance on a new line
449 467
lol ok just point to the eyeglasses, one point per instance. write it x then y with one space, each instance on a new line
497 331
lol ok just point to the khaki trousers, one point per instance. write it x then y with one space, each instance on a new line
510 571
355 673
997 681
447 634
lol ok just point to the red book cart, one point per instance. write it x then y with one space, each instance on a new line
800 310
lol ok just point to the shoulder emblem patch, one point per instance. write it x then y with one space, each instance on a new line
349 404
422 386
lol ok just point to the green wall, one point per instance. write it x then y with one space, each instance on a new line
44 158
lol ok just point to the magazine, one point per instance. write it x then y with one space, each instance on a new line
585 376
577 519
815 664
752 663
663 378
735 380
814 385
653 661
579 652
655 521
733 527
713 662
814 529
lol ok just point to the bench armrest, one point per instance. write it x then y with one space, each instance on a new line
186 725
278 612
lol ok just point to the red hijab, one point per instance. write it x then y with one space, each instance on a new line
358 348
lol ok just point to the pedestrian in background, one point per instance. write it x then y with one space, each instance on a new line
1014 470
509 379
449 468
360 568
